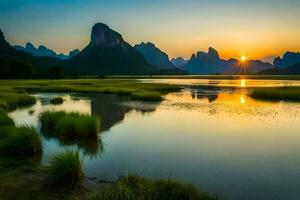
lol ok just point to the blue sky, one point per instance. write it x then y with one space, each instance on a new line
256 29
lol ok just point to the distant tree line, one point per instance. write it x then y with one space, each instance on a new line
24 69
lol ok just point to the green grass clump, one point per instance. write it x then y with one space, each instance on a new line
146 96
5 120
56 100
16 100
138 188
66 168
22 142
70 125
283 93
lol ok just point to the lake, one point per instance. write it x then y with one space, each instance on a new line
211 134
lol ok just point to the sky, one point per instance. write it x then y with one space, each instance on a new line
257 29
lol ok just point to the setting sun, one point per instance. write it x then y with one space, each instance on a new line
243 58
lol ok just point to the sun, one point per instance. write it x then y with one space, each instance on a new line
243 58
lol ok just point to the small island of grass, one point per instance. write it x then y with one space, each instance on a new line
57 100
277 94
70 125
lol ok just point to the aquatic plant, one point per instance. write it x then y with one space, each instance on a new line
56 100
146 96
22 142
66 168
282 93
135 188
70 125
5 120
15 100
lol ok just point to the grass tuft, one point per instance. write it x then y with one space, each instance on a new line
66 168
56 100
22 142
70 125
138 188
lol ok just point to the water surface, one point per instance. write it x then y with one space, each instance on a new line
217 138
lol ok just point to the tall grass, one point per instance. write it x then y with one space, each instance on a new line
70 125
66 168
138 188
5 120
11 101
22 142
283 93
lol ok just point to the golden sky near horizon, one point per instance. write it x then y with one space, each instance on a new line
256 29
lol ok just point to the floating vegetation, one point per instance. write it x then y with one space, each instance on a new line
57 100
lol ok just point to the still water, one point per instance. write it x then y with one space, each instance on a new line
218 138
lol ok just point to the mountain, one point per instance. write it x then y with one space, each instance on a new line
211 63
179 62
74 52
154 55
291 70
288 59
43 51
109 54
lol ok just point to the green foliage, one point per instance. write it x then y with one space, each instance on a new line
15 100
126 87
22 142
283 93
146 96
66 168
56 100
70 125
5 120
138 188
18 68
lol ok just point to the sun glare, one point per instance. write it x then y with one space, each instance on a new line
243 58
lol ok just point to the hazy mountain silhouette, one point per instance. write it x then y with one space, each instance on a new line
291 70
288 59
211 63
154 55
108 54
179 62
44 51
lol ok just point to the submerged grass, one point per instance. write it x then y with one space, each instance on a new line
66 168
275 94
69 125
138 188
56 100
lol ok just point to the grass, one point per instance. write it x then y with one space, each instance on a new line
11 101
125 87
66 168
138 188
275 94
146 96
70 125
56 100
20 142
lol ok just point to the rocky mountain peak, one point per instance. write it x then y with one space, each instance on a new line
213 53
103 36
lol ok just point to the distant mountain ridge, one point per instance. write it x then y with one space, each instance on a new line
44 51
288 59
154 55
179 62
211 63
